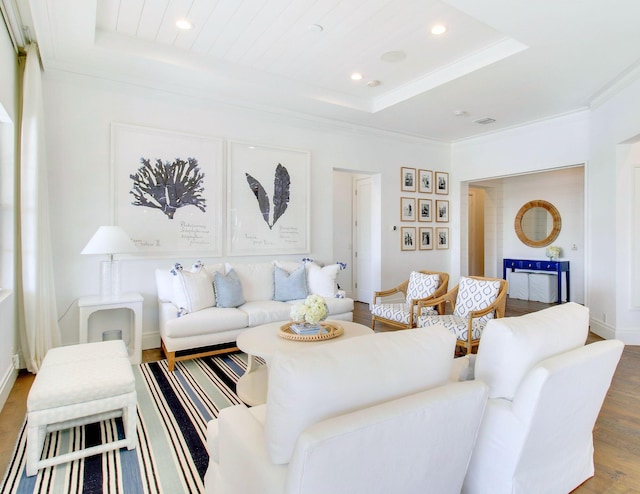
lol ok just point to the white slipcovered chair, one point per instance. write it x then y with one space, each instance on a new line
474 301
374 414
545 392
421 286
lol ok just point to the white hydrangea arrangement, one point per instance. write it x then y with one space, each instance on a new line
311 311
553 252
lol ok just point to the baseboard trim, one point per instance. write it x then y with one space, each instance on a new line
608 332
150 340
8 380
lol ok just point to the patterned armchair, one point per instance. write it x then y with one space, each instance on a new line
421 286
474 301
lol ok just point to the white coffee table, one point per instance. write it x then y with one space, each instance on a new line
263 341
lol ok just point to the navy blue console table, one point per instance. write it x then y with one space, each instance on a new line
558 267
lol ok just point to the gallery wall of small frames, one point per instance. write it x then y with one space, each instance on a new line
422 201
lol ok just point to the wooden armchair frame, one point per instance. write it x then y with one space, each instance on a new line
402 288
498 307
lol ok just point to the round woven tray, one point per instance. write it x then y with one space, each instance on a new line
333 329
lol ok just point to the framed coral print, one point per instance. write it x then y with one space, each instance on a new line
407 209
442 183
408 238
442 237
425 181
425 210
408 179
268 200
167 190
425 238
442 211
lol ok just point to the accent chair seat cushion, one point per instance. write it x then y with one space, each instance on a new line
456 324
398 312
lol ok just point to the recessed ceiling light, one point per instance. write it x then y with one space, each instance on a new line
438 29
356 76
374 83
185 24
460 113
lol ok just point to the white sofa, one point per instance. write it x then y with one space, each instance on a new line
546 389
196 320
374 414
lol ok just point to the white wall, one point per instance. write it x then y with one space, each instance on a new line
8 119
80 110
615 132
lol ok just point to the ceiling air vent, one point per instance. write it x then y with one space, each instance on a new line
484 121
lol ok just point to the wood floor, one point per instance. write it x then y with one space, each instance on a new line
616 435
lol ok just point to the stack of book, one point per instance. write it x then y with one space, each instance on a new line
307 328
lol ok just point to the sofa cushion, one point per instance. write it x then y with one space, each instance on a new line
206 321
192 290
266 311
228 289
511 346
289 285
421 285
323 280
256 279
308 385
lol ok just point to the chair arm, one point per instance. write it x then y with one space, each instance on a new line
401 288
440 302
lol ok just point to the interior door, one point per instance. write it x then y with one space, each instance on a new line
363 253
476 232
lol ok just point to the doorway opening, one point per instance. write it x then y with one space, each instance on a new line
357 231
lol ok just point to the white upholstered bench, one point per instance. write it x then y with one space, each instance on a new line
77 385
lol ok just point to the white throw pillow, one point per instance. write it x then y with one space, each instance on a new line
322 281
256 279
192 290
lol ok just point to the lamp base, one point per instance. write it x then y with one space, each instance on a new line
109 278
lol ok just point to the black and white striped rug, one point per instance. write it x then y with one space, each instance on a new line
170 457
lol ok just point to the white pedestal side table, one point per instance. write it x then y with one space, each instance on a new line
132 301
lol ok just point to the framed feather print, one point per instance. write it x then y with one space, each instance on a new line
268 200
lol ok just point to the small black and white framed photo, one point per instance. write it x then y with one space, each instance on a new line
425 237
442 183
425 181
442 211
442 238
408 238
408 179
407 209
425 210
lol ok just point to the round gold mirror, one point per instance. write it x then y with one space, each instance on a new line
538 223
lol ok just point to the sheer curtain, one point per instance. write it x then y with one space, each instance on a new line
37 313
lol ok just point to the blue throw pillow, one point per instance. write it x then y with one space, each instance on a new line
290 286
228 289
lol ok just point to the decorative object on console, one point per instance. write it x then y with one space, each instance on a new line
553 252
109 240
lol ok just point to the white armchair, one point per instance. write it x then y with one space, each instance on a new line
371 414
545 392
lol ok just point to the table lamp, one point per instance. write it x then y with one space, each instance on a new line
109 240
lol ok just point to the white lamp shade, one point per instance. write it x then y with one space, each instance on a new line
109 240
